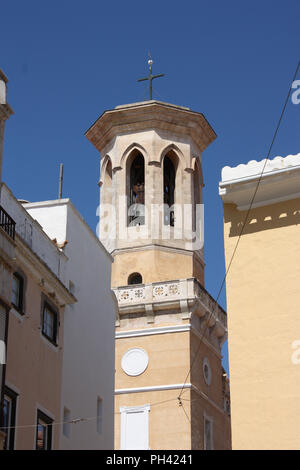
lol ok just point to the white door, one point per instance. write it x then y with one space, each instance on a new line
135 428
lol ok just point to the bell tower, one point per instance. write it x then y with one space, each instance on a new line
169 331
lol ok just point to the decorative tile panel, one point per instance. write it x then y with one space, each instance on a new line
131 295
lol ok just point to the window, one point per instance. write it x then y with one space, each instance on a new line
197 192
136 196
17 292
9 418
108 183
106 219
135 278
206 371
50 323
3 342
43 432
135 428
66 422
169 191
99 415
208 433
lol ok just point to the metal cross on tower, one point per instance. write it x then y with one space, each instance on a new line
150 76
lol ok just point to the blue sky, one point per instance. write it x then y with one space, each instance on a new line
68 61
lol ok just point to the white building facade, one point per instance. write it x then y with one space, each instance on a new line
88 356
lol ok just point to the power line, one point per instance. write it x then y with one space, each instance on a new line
243 225
153 404
159 95
76 420
183 409
54 423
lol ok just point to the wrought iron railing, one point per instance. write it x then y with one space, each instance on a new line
7 223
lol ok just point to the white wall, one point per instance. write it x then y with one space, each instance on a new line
31 232
88 359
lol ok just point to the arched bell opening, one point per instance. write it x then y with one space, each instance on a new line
197 193
136 188
170 165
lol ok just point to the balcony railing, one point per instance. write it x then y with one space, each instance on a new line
170 291
7 223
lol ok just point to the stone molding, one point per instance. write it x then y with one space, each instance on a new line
150 115
254 168
280 181
155 388
184 297
168 329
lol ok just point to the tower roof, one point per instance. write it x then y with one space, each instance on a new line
151 114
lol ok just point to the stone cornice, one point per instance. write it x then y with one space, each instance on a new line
280 181
182 298
254 168
152 388
166 329
150 115
171 249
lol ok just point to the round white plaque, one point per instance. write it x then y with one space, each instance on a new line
135 361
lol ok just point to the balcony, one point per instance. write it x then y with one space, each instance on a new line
7 253
185 295
7 223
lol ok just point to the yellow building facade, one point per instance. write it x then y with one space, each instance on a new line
263 302
170 388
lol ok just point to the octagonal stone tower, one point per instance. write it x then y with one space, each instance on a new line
151 221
